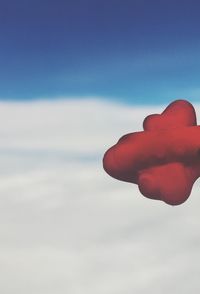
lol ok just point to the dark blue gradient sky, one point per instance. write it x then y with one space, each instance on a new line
137 51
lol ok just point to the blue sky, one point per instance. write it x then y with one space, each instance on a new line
137 51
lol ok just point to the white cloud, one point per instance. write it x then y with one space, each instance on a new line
66 226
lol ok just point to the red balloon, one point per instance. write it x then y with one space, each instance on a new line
164 159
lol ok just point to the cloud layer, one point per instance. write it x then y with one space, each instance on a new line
66 226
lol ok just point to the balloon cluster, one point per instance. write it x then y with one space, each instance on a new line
164 159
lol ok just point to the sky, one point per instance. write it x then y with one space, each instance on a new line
135 52
75 76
